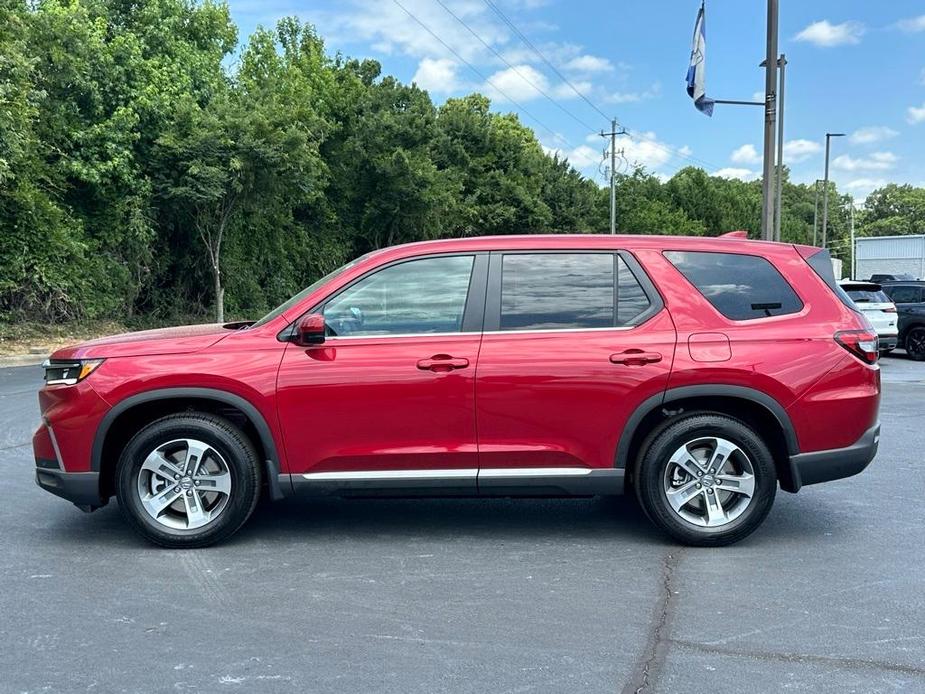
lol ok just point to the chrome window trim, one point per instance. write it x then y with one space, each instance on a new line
621 328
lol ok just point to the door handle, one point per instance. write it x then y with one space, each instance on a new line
635 357
442 362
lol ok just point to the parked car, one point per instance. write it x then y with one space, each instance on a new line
886 277
909 298
699 373
877 308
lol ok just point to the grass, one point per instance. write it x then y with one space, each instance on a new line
30 337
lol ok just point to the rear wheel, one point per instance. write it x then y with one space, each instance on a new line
188 480
707 479
915 344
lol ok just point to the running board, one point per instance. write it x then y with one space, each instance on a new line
566 481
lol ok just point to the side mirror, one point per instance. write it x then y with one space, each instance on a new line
309 330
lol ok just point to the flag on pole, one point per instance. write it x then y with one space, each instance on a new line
696 72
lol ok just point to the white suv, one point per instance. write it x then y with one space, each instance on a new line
877 307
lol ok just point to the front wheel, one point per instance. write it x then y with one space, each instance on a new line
707 480
188 480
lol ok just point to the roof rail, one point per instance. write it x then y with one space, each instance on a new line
734 235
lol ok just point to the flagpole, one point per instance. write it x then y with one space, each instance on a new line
770 117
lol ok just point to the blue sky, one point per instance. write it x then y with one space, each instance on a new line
854 67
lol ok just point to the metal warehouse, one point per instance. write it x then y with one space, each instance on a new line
890 254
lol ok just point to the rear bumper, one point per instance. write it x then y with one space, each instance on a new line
836 463
81 488
888 341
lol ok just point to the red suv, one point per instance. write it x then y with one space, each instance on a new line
698 372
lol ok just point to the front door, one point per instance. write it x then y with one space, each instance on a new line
574 342
389 398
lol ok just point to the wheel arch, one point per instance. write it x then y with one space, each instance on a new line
756 408
127 417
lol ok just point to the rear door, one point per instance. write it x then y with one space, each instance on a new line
574 342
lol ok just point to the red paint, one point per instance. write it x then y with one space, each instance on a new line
500 399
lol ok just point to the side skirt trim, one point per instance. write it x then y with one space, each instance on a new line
569 481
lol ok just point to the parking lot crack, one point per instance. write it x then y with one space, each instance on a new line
845 663
657 644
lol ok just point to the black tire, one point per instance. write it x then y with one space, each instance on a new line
915 344
228 441
651 475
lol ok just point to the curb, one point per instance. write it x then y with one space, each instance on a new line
22 360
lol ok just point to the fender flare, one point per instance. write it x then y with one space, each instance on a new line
271 463
705 390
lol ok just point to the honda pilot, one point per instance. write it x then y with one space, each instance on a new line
700 374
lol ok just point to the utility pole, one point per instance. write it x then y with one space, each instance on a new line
816 212
780 146
825 187
770 115
613 171
853 268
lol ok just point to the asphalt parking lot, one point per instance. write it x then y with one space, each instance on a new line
470 595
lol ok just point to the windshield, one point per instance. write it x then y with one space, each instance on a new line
282 308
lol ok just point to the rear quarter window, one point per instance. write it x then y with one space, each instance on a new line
739 286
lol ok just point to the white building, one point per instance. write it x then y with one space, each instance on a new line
891 255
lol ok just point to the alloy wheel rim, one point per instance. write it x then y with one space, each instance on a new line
709 482
184 484
916 342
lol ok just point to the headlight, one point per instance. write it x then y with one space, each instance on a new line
69 372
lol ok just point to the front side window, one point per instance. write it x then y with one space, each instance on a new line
415 297
737 285
568 291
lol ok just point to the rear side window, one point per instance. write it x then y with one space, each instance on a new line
739 286
905 294
568 291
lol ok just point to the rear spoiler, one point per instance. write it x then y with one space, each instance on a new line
735 235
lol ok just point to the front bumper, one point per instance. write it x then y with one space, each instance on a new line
836 463
80 488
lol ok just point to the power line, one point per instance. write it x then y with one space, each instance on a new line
541 56
482 76
514 68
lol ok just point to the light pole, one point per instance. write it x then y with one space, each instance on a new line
816 212
825 188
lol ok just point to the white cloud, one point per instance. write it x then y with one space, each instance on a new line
646 150
872 134
437 75
581 157
878 161
589 63
733 172
758 96
862 187
826 34
913 24
915 114
799 150
635 97
388 28
746 154
520 83
564 91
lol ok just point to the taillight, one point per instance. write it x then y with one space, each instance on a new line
861 343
